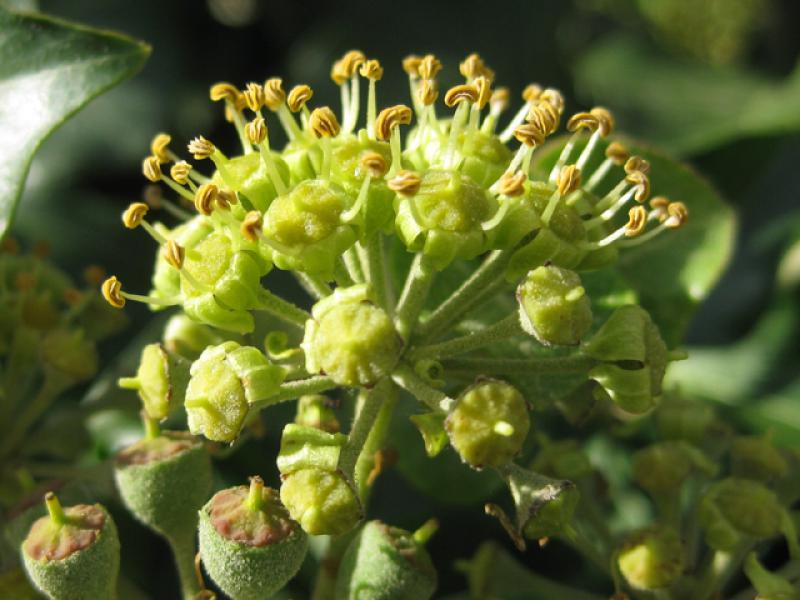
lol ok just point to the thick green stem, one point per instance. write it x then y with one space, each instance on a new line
183 550
285 311
415 293
353 265
316 287
503 329
362 425
406 378
374 443
289 390
466 296
520 366
376 262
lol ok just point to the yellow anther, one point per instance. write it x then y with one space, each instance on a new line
174 254
371 69
180 172
659 206
512 184
427 92
251 225
159 147
94 275
298 97
339 73
225 198
133 215
583 120
678 215
641 184
500 99
201 148
484 87
617 153
472 66
554 97
256 130
605 120
429 66
351 61
411 65
389 118
637 221
531 92
569 180
224 91
405 183
151 169
461 93
253 96
530 134
323 122
24 281
637 163
374 164
544 116
204 198
112 292
153 196
9 245
274 94
42 249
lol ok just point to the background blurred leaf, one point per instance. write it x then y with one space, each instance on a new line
682 106
49 69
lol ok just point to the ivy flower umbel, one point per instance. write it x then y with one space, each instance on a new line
438 181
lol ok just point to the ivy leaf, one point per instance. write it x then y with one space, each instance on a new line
50 69
674 272
686 107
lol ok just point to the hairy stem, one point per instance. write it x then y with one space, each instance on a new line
518 366
183 550
376 262
284 310
406 378
380 428
415 293
289 390
503 329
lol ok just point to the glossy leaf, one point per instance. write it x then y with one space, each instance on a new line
685 107
49 69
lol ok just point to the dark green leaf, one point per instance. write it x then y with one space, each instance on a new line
686 107
49 69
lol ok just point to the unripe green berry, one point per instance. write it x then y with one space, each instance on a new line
685 420
350 340
225 380
73 553
563 459
489 424
163 481
554 307
248 543
315 411
188 338
385 563
70 353
755 458
308 447
652 558
160 381
323 502
661 468
443 219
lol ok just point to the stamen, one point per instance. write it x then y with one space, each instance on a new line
174 254
472 67
234 104
252 225
374 166
637 163
325 126
576 124
373 71
151 169
205 197
254 96
464 96
257 132
484 88
180 172
509 185
133 217
154 198
350 63
639 191
616 154
637 221
113 294
275 100
569 179
429 67
411 67
405 183
677 217
530 94
201 148
387 129
497 104
605 128
159 147
298 97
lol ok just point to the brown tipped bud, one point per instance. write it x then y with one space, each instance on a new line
174 254
204 198
298 97
159 147
201 148
251 225
405 183
372 70
323 122
569 179
374 164
274 94
512 184
180 172
389 118
617 153
256 130
151 169
133 215
112 292
253 96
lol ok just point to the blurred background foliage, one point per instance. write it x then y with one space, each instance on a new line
716 83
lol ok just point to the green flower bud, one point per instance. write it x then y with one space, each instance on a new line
160 380
163 480
166 280
225 380
769 586
306 227
385 563
662 468
554 307
755 458
323 502
558 243
634 358
734 510
187 337
485 158
443 218
69 353
489 424
308 447
314 410
350 340
684 420
652 558
249 545
564 459
247 175
73 553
